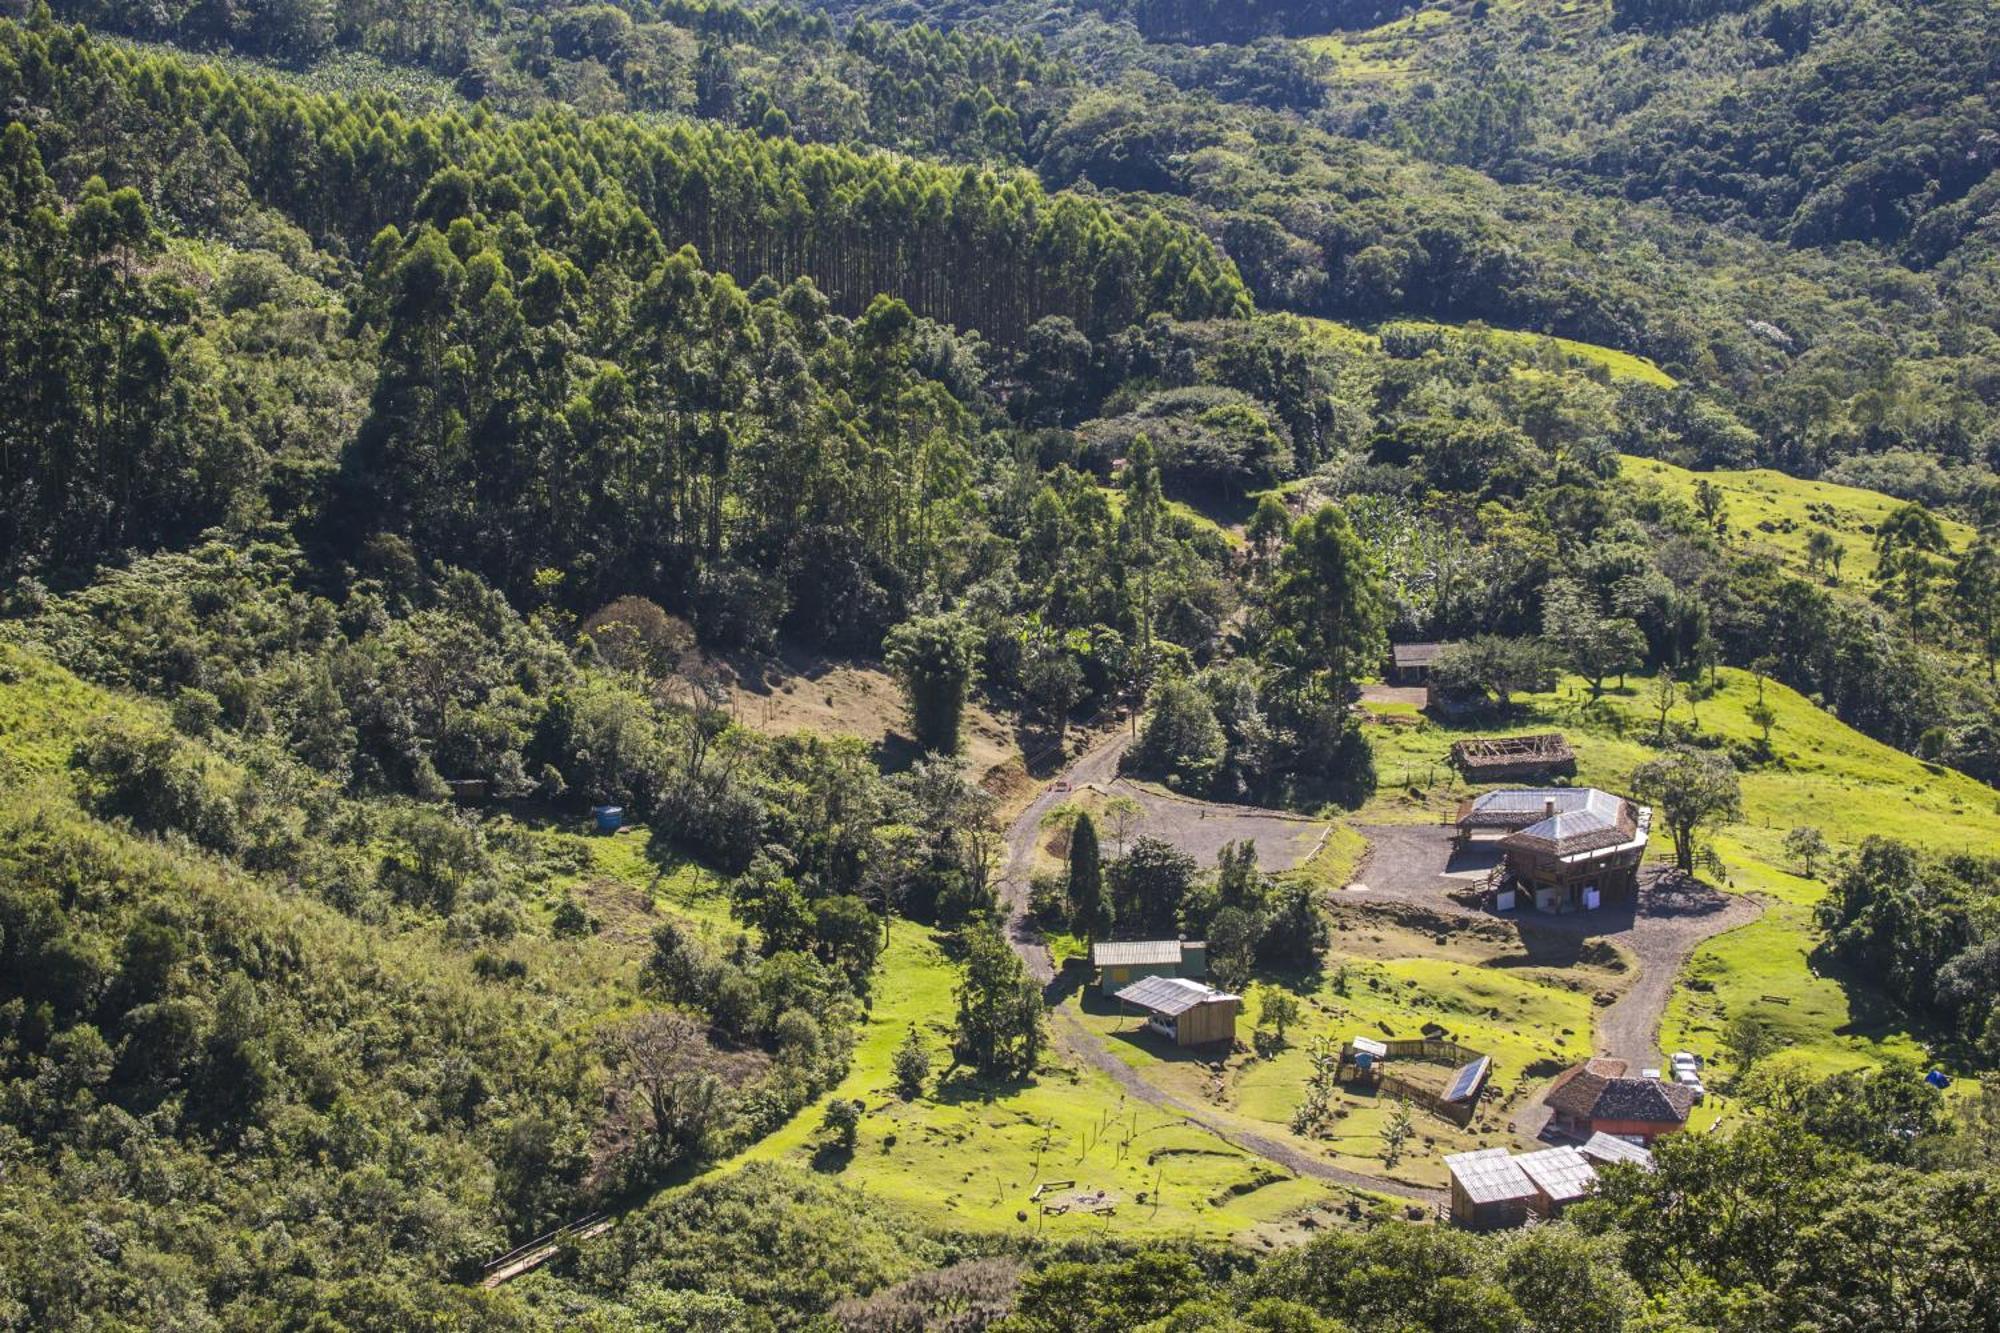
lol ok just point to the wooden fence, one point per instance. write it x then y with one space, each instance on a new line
1459 1113
1432 1048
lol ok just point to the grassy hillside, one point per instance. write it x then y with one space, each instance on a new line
1826 775
1533 346
1774 513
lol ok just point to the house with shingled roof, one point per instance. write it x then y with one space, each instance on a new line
1598 1097
1570 849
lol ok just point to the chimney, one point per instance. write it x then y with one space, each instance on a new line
1548 807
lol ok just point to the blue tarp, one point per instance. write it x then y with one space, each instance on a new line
1937 1078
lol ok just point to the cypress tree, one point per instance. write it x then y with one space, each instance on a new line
1086 881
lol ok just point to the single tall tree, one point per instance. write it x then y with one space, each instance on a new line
999 1008
1330 596
1690 789
1086 881
936 660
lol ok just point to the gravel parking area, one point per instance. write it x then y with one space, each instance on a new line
1201 828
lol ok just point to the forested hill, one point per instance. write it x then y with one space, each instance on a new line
343 168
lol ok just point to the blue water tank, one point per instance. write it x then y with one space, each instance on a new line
610 818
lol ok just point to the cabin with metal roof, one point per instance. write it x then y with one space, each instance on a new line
1411 663
1560 1176
1569 848
1489 1192
1119 963
1185 1012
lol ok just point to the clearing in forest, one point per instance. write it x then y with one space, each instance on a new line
1821 773
1769 511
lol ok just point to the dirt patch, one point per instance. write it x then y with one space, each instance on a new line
802 692
1416 696
1202 828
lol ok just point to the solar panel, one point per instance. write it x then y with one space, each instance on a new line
1466 1082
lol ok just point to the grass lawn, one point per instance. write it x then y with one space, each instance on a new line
1772 512
970 1156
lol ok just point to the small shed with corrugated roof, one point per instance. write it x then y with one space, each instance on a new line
1188 1012
1560 1176
1489 1191
1119 963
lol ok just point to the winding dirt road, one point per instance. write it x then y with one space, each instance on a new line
1100 765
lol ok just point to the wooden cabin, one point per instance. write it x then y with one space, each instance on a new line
1119 963
1489 1192
1186 1012
1570 849
1411 663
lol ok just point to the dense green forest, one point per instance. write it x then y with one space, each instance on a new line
421 426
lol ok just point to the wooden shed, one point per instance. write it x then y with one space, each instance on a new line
1560 1176
1489 1192
1410 663
1119 963
1187 1012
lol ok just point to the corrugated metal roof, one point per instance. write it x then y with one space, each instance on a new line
1566 820
1373 1047
1416 654
1561 1173
1137 953
1172 996
1489 1176
1610 1148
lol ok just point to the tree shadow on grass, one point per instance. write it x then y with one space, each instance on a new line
960 1086
832 1158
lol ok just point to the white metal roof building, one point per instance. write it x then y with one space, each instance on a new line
1171 996
1609 1148
1488 1191
1186 1011
1139 953
1560 1176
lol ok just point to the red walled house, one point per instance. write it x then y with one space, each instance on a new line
1596 1097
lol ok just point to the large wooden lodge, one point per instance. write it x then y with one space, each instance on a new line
1569 848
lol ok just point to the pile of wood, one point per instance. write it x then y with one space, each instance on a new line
1514 758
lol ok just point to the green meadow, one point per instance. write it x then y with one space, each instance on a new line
971 1155
1566 351
1774 513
